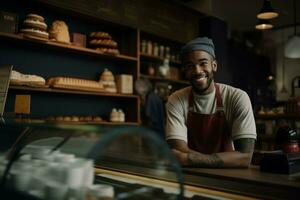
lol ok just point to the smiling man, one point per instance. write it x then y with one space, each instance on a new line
209 124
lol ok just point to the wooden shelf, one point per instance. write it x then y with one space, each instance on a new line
52 90
39 121
157 58
164 79
278 116
83 50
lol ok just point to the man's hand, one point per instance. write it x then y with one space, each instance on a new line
240 158
182 157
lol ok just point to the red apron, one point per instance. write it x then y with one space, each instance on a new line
208 133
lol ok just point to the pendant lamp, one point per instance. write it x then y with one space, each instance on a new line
267 12
263 24
292 47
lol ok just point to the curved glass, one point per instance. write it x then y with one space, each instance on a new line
131 162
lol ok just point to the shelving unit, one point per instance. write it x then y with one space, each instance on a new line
278 116
154 59
48 59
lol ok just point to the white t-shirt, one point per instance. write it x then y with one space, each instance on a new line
237 108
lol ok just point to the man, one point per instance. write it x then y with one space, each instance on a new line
209 124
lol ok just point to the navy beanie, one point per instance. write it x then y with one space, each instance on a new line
200 43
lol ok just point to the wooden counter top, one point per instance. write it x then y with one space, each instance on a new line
249 182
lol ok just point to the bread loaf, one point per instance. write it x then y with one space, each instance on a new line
75 83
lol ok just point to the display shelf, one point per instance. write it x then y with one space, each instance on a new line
70 123
52 90
164 79
278 116
83 50
157 58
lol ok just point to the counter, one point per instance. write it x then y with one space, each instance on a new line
248 183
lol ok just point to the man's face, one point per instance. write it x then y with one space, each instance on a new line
199 68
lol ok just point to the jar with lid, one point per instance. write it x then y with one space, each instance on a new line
161 51
155 49
149 47
144 46
167 52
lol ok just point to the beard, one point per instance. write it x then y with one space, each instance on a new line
201 82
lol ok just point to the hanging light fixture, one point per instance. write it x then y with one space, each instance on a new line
292 47
267 12
263 24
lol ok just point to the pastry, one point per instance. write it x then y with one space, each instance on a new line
97 119
103 42
34 26
108 50
35 33
74 119
108 81
35 16
67 118
88 118
100 34
59 32
17 78
107 76
75 84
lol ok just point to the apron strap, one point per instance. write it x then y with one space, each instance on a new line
191 100
218 98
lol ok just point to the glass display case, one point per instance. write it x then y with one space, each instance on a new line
71 161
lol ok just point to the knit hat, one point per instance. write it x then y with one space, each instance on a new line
200 43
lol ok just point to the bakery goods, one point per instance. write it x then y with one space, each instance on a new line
103 42
108 81
35 26
97 119
17 78
100 34
75 84
74 118
59 32
114 115
35 16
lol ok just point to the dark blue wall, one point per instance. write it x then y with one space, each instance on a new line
33 58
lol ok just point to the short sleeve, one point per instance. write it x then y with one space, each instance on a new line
176 126
243 124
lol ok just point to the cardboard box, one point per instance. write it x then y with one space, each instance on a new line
22 104
78 39
8 22
124 83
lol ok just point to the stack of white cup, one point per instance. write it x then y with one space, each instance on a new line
52 175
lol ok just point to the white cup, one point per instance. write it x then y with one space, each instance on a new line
54 190
99 191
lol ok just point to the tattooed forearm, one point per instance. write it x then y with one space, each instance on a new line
196 159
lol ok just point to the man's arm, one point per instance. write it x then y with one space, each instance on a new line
241 157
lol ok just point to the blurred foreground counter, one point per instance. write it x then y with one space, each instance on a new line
240 184
81 161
